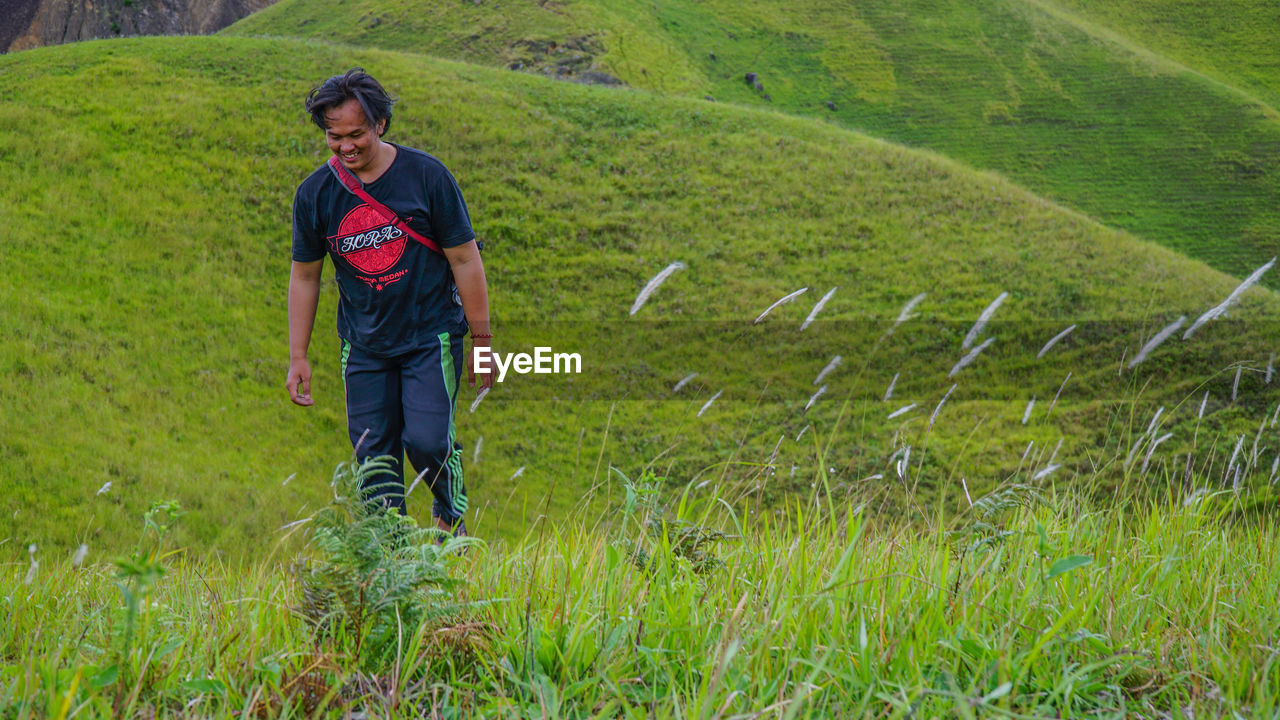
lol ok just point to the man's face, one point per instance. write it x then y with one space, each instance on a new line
350 136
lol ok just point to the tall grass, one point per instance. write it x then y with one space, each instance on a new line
1036 600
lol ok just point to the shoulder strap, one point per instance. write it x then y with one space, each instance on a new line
353 184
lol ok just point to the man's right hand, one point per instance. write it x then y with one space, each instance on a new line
304 293
299 382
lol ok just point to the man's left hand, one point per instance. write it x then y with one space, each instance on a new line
486 366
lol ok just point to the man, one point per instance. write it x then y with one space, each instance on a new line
403 306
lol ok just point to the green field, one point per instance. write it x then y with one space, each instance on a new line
144 337
1068 108
716 519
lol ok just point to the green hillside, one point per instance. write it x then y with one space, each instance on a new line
1068 109
143 344
1232 41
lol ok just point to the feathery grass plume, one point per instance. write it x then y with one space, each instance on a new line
803 430
1151 426
973 355
475 453
1203 402
653 284
901 411
1231 463
1054 341
835 363
415 482
905 314
904 463
1027 452
814 398
479 396
82 552
892 384
817 308
1152 449
1056 448
683 381
105 487
1255 451
33 567
967 496
1026 414
938 409
983 319
1154 342
359 442
296 523
1217 310
519 471
286 480
1195 496
1275 415
781 301
1271 367
1045 472
707 404
774 455
1150 431
1275 468
1055 395
1235 384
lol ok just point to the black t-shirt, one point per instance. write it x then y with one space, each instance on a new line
396 294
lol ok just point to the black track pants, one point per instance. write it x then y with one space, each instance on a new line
405 404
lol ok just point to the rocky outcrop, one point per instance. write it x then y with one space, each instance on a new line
52 22
572 59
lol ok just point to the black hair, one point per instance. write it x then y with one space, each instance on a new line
354 83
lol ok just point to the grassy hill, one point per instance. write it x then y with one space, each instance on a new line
1231 41
1067 108
147 207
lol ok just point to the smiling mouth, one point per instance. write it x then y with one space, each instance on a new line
351 155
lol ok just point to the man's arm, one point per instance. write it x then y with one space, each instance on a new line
468 275
304 295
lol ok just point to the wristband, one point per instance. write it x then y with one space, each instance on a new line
484 336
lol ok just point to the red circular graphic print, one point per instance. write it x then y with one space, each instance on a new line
370 258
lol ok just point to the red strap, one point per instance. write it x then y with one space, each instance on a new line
346 178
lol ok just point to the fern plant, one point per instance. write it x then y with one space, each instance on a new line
988 519
372 577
